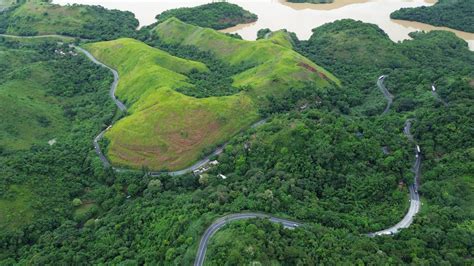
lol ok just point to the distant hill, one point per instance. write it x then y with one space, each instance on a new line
217 16
91 22
455 14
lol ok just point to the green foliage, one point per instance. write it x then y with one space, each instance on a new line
40 181
456 14
217 16
322 163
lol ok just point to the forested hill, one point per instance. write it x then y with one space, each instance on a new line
456 14
217 16
38 17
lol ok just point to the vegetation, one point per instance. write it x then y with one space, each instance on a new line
217 16
325 157
90 22
69 94
441 232
456 14
178 127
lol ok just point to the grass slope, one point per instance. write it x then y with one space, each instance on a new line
275 66
165 129
168 130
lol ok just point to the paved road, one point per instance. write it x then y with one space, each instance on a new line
414 208
221 222
117 102
415 203
386 93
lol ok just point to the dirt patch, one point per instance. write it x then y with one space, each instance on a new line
308 67
471 83
312 69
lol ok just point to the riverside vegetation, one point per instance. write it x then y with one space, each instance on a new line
325 157
456 14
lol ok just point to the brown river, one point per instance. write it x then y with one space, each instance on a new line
298 18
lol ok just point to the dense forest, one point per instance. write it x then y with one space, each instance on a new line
88 22
456 14
325 157
217 16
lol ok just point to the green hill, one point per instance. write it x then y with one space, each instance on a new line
275 66
169 130
36 17
217 16
165 129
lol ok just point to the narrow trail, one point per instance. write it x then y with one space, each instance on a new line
404 223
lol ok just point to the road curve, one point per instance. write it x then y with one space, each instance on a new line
221 222
407 220
388 96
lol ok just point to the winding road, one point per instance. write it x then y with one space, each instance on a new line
388 96
221 222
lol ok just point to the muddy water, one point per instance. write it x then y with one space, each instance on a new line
299 18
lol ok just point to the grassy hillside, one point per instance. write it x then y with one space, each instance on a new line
165 129
456 14
36 17
275 66
217 16
169 130
29 114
